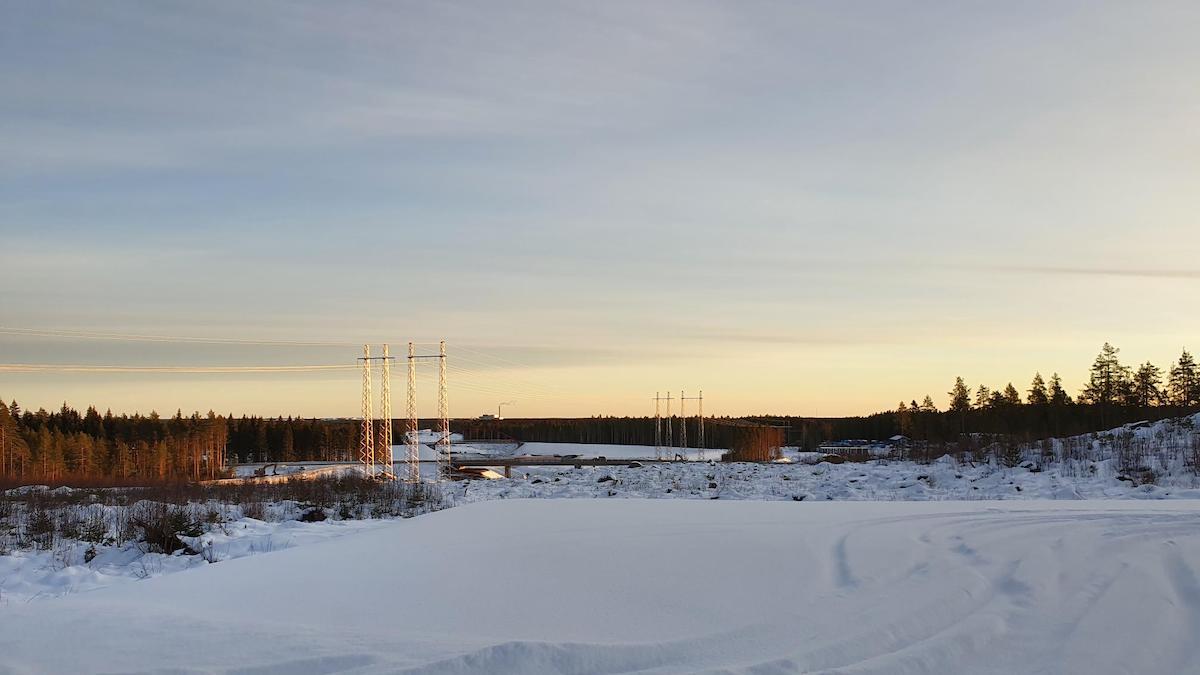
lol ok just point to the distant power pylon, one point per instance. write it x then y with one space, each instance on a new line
670 436
662 446
442 445
383 448
658 445
375 447
366 442
699 423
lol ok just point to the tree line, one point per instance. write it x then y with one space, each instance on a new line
61 444
1114 394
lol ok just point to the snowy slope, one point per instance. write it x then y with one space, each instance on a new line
584 586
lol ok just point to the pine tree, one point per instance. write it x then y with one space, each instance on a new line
997 399
1011 396
1037 391
960 396
1058 395
1108 384
14 453
1184 381
1147 383
904 417
983 397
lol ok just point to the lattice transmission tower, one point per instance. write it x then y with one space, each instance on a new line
670 436
366 439
699 423
383 447
375 445
658 446
442 444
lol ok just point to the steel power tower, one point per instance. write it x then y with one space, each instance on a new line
383 448
699 423
413 435
670 436
442 445
658 426
443 415
375 446
366 440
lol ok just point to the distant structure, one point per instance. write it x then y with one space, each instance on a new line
667 446
699 423
375 444
413 435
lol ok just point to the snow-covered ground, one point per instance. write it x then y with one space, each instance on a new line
593 450
676 567
622 586
29 575
944 479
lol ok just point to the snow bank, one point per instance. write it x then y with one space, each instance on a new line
613 586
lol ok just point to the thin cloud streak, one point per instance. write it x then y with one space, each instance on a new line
1094 271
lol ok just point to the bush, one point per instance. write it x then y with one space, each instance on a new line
41 528
313 516
94 530
161 526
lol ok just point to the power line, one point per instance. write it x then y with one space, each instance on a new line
515 385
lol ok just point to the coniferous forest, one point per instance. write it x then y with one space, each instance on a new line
64 444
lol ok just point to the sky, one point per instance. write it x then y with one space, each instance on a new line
806 208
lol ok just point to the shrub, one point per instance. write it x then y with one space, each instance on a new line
161 526
94 530
40 528
313 516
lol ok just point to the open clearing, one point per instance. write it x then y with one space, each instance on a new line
614 586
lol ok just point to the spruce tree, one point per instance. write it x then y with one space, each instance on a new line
1058 395
1037 391
960 397
1184 381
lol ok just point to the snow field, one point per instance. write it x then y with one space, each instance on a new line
616 586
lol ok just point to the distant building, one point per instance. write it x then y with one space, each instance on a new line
487 416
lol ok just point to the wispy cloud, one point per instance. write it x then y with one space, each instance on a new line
1096 271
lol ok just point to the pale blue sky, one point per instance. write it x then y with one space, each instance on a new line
812 208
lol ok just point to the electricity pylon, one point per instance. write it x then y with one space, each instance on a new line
658 446
383 449
366 442
442 444
413 436
375 445
443 415
699 423
682 422
670 436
